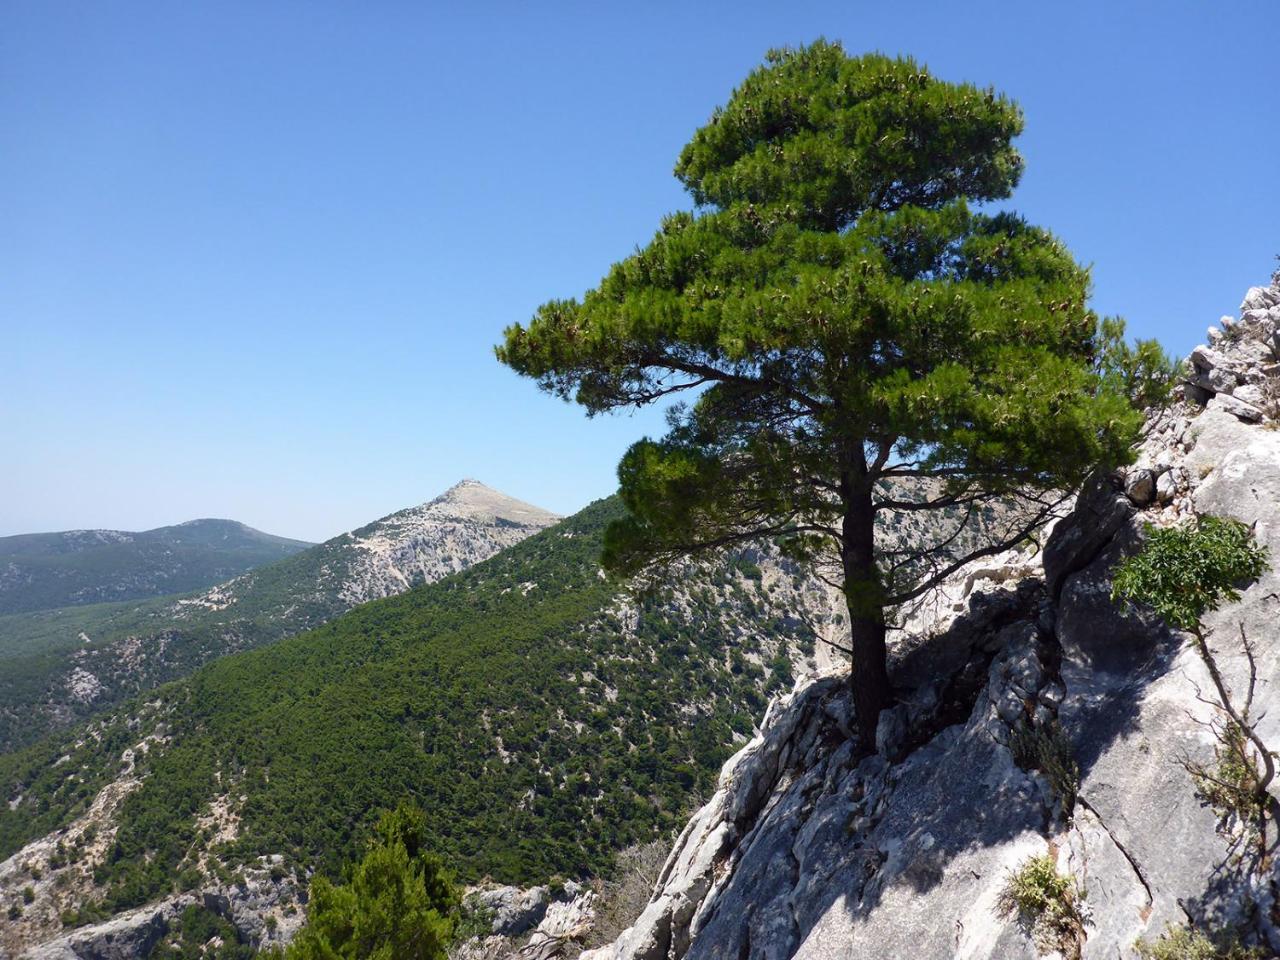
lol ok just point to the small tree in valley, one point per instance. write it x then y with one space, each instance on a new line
857 340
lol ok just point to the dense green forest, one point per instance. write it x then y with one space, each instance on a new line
540 715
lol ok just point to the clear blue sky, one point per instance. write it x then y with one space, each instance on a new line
255 254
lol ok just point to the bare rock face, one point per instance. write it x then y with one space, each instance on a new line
128 935
468 523
530 924
264 909
514 910
813 848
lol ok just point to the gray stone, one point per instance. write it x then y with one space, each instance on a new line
891 730
1260 298
1140 486
1251 394
1194 393
1237 408
1101 510
124 937
514 910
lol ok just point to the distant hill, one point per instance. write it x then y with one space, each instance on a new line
42 571
60 665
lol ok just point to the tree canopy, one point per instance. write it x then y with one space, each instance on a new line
858 337
398 904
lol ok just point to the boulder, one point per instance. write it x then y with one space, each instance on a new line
1140 486
1101 509
514 910
1237 408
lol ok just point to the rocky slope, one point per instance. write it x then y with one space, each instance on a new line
88 660
807 850
42 571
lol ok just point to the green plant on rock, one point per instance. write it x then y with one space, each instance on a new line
1049 905
1182 573
1045 747
1233 784
1184 943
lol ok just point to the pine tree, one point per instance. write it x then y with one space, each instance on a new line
398 904
858 340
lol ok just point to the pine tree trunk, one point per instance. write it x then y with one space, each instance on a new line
864 599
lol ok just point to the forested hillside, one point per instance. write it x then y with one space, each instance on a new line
539 714
41 571
57 666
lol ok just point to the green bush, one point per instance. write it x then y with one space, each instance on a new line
1185 572
1047 903
1182 573
1233 784
1183 943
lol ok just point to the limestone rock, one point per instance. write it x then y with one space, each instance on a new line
514 910
1101 509
1140 487
123 937
1237 408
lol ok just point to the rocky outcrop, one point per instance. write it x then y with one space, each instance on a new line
263 905
813 849
466 524
532 924
513 910
123 937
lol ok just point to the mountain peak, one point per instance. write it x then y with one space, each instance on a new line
471 499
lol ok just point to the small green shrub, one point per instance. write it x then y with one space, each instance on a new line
1183 943
28 895
1184 572
1047 903
474 920
1045 747
15 911
1233 784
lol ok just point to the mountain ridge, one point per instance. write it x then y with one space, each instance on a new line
44 571
65 664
